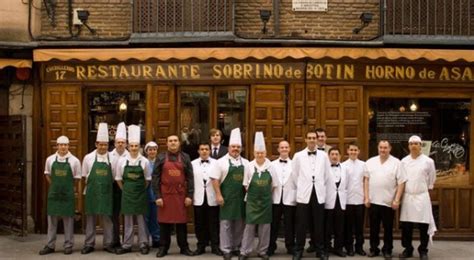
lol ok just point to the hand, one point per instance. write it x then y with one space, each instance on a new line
395 204
367 202
159 202
220 200
188 202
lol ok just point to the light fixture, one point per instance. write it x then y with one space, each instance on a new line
265 17
413 106
122 106
402 108
365 19
83 15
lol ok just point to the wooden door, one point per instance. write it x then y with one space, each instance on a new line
161 119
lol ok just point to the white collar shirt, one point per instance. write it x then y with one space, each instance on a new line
355 181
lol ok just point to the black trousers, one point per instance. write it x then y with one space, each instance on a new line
206 224
384 214
334 226
407 236
289 214
181 235
354 227
313 212
117 204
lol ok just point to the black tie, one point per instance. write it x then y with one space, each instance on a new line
203 161
214 153
312 153
283 161
335 165
321 148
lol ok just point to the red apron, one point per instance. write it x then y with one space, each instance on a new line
173 192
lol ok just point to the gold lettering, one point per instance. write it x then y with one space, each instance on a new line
91 72
114 70
227 71
444 75
136 71
348 71
278 71
389 72
216 71
237 68
195 72
184 70
455 73
267 71
467 74
309 71
328 68
297 73
173 71
123 72
410 72
257 71
102 72
247 71
318 71
160 72
147 71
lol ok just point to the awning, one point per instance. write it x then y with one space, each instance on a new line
17 63
164 54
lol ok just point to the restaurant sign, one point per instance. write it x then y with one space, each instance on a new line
248 71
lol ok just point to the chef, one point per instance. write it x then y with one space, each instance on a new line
97 171
416 204
173 183
227 179
151 218
133 176
61 169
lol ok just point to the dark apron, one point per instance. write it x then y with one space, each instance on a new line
99 189
61 192
173 192
259 199
233 193
134 196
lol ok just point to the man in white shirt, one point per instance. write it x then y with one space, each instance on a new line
217 149
335 206
384 181
311 169
62 172
355 209
227 179
416 204
284 201
206 210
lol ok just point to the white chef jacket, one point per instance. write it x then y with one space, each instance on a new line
384 179
286 187
89 160
338 173
144 163
74 163
222 167
310 172
201 172
355 181
254 168
115 158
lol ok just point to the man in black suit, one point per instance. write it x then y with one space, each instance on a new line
217 149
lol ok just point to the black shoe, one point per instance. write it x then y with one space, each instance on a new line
116 245
350 252
46 250
423 256
297 255
110 249
243 257
215 250
161 252
155 244
264 256
405 254
339 252
235 252
186 251
322 256
311 249
145 250
290 251
200 251
86 250
360 251
387 255
122 250
227 256
270 252
68 251
373 253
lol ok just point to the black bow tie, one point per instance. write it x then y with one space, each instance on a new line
312 153
335 165
283 161
321 148
203 161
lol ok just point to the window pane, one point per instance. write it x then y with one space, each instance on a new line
231 112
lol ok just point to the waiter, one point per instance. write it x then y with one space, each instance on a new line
259 183
217 149
206 210
311 169
133 176
416 204
284 201
96 169
151 219
119 152
384 181
60 170
227 179
174 187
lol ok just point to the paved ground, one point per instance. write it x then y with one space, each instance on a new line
12 247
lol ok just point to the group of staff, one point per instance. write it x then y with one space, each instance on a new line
233 198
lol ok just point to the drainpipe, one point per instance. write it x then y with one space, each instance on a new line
276 17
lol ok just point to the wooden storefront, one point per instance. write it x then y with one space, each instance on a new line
281 91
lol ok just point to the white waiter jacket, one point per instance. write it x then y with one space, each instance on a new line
355 181
332 190
286 186
310 172
201 172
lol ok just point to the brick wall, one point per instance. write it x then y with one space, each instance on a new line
112 19
335 24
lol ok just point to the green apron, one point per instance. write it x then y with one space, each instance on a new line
233 194
259 199
134 196
61 192
99 189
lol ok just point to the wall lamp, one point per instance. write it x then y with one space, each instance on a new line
80 18
365 19
265 17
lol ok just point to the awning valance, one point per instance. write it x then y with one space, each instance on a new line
17 63
164 54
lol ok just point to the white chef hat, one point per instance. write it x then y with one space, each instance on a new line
121 132
62 140
259 145
414 139
151 144
235 138
133 134
102 133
